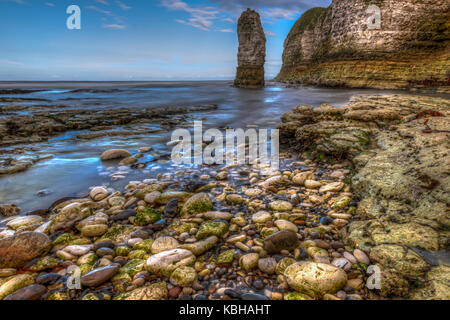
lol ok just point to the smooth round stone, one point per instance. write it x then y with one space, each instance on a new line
361 256
286 225
249 261
223 175
315 278
312 184
113 154
98 193
105 252
342 263
166 262
48 278
267 265
280 205
99 276
17 250
78 250
253 192
350 257
32 292
281 240
132 242
124 215
261 217
103 244
152 197
322 244
332 187
94 230
301 177
7 272
183 276
237 238
214 215
63 255
162 244
234 198
24 222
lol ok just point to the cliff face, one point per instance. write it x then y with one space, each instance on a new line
335 46
252 51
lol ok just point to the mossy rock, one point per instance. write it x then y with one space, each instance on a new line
198 203
213 228
85 268
183 276
45 263
138 254
118 232
283 264
58 296
146 217
133 267
180 228
79 242
141 193
145 245
165 197
15 283
297 296
90 296
89 258
122 251
226 257
65 238
154 291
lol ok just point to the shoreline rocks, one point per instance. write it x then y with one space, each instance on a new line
398 147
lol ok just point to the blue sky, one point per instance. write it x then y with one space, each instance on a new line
136 39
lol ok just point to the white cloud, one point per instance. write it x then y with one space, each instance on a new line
115 26
49 4
122 5
11 62
229 10
106 12
226 30
105 2
200 18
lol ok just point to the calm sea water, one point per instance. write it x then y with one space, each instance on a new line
75 166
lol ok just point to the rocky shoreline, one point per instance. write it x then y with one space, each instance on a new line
41 123
373 190
398 147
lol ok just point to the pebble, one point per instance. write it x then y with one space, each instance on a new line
361 257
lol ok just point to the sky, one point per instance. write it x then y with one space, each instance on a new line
134 40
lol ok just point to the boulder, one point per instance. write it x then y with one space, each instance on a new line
113 154
166 262
315 279
17 250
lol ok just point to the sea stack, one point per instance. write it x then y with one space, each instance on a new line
252 51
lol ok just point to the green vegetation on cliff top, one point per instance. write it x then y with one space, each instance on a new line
307 21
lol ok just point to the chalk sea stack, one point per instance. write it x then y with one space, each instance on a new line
252 51
335 46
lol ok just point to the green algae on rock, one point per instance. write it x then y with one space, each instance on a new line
146 217
198 203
